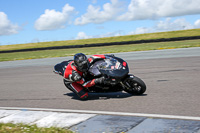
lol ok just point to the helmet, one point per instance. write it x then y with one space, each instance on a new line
81 62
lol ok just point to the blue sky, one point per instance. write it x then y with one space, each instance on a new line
29 21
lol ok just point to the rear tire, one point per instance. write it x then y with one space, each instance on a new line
134 86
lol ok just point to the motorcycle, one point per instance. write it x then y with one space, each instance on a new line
116 72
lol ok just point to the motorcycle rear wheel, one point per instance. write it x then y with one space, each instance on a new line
135 86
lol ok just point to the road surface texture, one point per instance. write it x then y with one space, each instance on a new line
172 79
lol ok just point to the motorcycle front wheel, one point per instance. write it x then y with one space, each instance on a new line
134 86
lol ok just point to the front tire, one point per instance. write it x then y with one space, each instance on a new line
134 86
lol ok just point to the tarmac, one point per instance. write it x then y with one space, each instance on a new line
87 121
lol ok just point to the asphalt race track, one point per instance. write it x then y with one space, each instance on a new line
172 78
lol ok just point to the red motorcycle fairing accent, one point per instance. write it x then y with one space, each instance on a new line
99 56
90 59
124 64
96 57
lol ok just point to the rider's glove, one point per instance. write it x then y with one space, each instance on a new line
75 76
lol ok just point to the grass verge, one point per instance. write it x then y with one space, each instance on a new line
98 50
171 34
21 128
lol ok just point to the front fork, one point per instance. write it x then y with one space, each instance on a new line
125 84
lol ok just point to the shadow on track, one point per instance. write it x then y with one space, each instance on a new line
103 96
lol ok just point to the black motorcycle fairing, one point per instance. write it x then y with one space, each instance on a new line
105 89
60 67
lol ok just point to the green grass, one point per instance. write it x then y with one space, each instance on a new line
21 128
98 50
182 33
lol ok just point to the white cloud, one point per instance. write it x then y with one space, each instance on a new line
151 9
141 30
82 35
167 25
94 1
197 23
52 20
160 26
6 27
96 15
109 34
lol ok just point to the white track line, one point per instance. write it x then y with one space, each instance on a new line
105 113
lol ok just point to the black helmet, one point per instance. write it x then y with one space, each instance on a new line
81 62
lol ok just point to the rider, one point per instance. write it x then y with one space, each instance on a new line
73 76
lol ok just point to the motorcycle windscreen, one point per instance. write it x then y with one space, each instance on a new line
94 68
